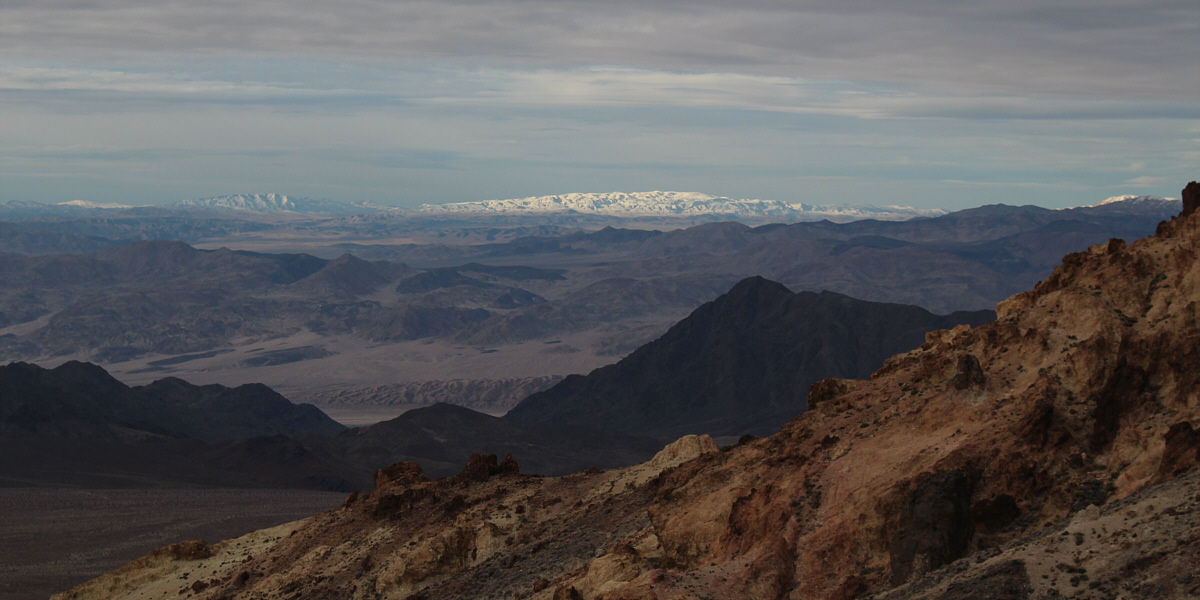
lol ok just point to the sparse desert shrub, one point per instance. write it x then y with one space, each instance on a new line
190 550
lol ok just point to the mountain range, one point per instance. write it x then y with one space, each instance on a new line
1049 453
172 406
242 203
737 365
276 203
639 205
76 426
675 204
494 304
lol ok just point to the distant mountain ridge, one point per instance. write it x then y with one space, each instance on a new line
619 205
76 425
210 412
675 204
277 203
1139 205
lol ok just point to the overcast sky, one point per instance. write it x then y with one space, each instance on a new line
923 103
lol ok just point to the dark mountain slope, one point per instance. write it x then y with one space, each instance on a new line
19 238
742 363
441 438
210 412
77 426
47 442
603 302
348 276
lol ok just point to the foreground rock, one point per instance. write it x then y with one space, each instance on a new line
488 532
985 444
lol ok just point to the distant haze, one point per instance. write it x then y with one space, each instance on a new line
917 103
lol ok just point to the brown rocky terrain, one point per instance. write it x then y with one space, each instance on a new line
953 472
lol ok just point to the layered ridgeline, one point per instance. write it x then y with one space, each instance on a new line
1054 448
740 364
547 302
75 425
212 413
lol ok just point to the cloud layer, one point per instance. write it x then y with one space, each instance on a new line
768 98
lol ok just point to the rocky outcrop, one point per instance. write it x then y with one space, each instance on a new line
401 473
1191 198
480 467
935 527
1053 461
1144 546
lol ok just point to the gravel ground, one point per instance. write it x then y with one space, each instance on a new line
54 539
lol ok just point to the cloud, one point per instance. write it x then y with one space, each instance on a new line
1063 48
387 97
101 89
91 85
1144 181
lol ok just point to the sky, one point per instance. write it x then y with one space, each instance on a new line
924 103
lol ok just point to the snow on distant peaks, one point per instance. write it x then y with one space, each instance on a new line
1131 198
247 202
673 204
93 205
276 203
1139 206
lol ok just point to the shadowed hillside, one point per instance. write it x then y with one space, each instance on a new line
739 364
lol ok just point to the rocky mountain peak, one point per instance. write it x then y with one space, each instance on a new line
756 287
1191 198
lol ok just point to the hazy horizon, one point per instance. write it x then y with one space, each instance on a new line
114 205
921 103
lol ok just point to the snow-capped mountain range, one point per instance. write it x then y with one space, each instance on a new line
611 204
277 203
1140 205
1130 198
675 204
89 205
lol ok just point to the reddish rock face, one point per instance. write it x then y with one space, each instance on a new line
482 466
1181 451
399 474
